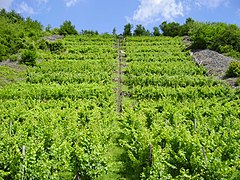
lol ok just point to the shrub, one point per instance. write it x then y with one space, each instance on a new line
238 82
42 44
233 69
55 47
29 57
14 57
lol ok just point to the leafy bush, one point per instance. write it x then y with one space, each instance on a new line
3 50
14 57
17 33
238 82
229 51
233 69
29 57
219 37
42 44
55 47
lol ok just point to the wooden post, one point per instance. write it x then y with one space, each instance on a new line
10 131
204 153
195 124
23 163
24 150
150 155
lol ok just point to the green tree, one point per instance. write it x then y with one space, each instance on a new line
184 29
89 32
219 37
48 28
170 29
17 33
67 29
141 31
114 32
156 31
127 30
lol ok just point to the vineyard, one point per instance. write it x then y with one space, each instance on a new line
115 108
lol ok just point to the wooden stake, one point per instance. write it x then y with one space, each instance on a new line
204 154
150 155
24 150
195 124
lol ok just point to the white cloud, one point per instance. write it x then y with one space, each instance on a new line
211 3
70 3
151 10
25 8
5 4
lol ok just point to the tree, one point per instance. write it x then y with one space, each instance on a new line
170 29
184 29
48 28
141 31
156 31
16 34
67 29
127 30
114 32
89 32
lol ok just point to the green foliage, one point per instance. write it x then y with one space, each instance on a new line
89 32
219 37
170 29
42 44
156 31
114 32
12 16
182 113
11 74
185 28
55 31
229 51
55 46
67 29
127 30
176 123
29 57
141 31
17 33
238 82
3 54
233 69
61 93
14 57
48 28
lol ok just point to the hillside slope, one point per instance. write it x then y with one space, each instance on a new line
105 108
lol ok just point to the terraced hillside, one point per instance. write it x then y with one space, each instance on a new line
177 122
109 108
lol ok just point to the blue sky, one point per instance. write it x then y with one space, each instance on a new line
104 15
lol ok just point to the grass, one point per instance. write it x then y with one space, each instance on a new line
11 74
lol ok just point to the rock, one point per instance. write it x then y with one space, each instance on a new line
215 63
